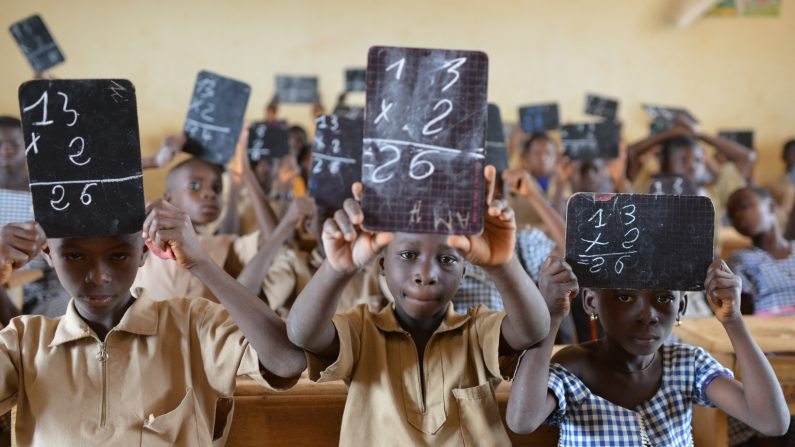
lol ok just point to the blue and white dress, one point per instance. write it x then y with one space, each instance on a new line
665 420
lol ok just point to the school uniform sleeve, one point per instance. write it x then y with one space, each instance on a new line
568 390
706 369
9 361
226 354
286 277
349 331
739 263
488 325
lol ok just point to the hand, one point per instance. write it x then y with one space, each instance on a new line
239 162
494 247
19 243
723 292
169 228
300 209
168 149
317 108
558 286
272 108
519 181
617 167
347 246
693 129
564 169
288 171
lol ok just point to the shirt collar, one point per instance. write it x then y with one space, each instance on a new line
141 318
387 322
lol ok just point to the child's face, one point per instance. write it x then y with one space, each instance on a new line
264 170
97 271
591 176
422 273
750 214
638 320
197 191
688 161
12 153
540 158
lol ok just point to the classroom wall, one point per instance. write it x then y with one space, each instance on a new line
730 72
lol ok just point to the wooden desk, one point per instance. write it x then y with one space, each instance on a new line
311 414
776 337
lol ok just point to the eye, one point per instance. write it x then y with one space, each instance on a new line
408 255
217 188
447 259
194 186
73 256
119 256
624 298
664 299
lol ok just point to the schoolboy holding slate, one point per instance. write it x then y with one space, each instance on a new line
629 388
418 372
120 368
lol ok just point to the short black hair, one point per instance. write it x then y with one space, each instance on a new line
762 193
789 146
297 128
535 136
10 121
672 145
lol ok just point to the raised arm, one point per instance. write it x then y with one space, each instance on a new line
527 320
170 229
637 149
530 402
744 158
758 400
19 243
169 148
348 248
518 181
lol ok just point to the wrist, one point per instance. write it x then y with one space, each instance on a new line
500 269
338 273
733 323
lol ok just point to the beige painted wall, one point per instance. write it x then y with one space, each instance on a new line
731 72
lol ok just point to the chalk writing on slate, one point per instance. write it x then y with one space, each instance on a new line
84 156
588 141
355 80
601 106
496 149
424 137
336 160
297 89
215 117
659 126
667 113
672 184
743 137
36 43
647 242
539 118
267 141
17 206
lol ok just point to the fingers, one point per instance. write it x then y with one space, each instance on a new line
500 209
331 231
358 191
345 225
460 243
489 174
353 210
380 241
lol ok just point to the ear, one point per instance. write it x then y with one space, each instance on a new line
45 252
381 265
144 256
682 304
589 300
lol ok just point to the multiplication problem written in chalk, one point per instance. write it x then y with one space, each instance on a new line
599 252
424 140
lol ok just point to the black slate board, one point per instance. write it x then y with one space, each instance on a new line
268 141
355 80
744 137
336 160
84 156
496 149
539 118
297 89
601 106
36 43
588 141
639 241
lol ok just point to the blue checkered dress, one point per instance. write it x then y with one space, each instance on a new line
15 206
770 281
532 247
665 420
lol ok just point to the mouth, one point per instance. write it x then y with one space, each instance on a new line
96 300
645 339
422 298
209 209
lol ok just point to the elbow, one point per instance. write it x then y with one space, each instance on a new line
778 426
294 333
521 424
539 331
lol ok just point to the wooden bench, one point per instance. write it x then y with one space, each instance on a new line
311 414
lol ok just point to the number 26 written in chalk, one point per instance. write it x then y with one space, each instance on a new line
58 202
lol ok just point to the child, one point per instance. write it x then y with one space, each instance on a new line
418 372
122 369
13 169
768 268
194 186
783 188
628 388
539 158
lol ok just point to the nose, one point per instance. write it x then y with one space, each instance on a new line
208 193
648 313
426 273
98 275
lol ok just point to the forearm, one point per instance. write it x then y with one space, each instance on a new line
735 152
7 308
230 224
530 387
266 220
636 150
763 396
257 268
527 318
551 218
310 323
148 163
264 330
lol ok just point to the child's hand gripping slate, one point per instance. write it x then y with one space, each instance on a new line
558 286
169 232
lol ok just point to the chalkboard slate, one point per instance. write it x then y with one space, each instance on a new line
84 156
633 241
350 112
588 141
215 117
297 89
336 160
496 149
667 113
744 137
268 141
601 106
659 126
36 43
355 80
672 184
539 118
424 137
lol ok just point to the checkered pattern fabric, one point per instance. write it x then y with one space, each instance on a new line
532 247
15 206
770 281
665 420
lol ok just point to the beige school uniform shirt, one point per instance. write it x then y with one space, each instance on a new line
385 407
165 279
155 381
